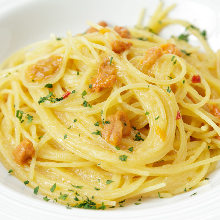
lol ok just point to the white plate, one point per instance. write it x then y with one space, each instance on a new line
23 22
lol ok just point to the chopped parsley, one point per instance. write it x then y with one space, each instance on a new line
97 123
137 203
36 189
135 127
110 60
208 147
26 182
117 148
109 181
58 38
184 37
49 85
204 34
86 104
40 137
53 187
157 117
10 171
77 73
75 120
159 195
194 194
50 97
19 115
65 136
172 58
77 187
76 198
184 81
84 93
90 86
206 178
131 149
169 89
123 157
170 77
146 113
89 204
185 52
108 122
46 199
29 118
96 188
62 196
138 137
185 190
97 132
142 38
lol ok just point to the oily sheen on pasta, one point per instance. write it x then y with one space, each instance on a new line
97 118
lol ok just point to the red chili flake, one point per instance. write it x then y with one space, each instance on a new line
178 116
196 79
65 95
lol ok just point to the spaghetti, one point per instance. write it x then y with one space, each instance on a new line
93 119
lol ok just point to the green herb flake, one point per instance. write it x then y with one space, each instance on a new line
134 128
204 34
185 52
10 171
89 204
74 91
90 86
108 122
53 187
97 132
131 149
109 181
206 178
170 77
77 187
137 203
103 207
157 117
159 195
29 118
49 85
26 182
58 38
194 194
172 58
117 148
138 137
36 189
96 188
147 113
142 38
75 120
19 115
84 93
209 147
169 89
65 136
63 196
97 123
123 157
185 190
184 81
46 199
76 198
110 60
184 37
77 73
86 104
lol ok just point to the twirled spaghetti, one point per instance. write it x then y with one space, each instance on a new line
93 119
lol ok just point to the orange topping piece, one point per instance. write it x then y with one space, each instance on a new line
24 152
215 111
154 53
119 127
92 29
122 31
171 49
44 69
119 46
106 76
